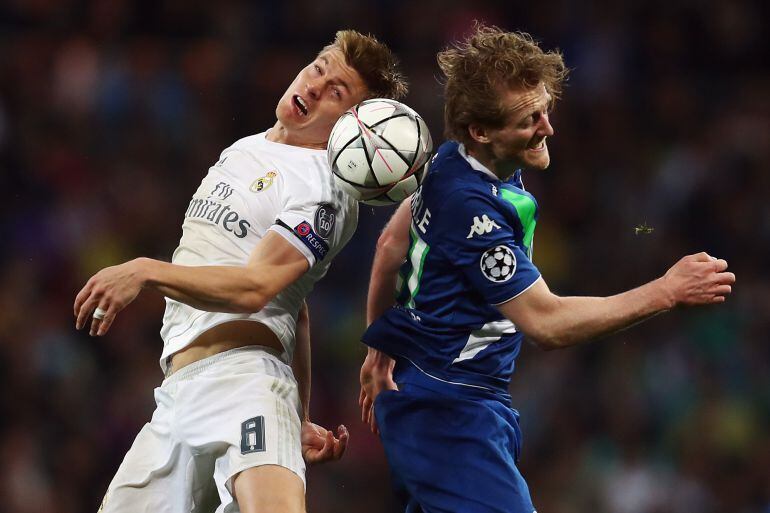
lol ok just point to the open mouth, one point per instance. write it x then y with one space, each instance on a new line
300 104
539 147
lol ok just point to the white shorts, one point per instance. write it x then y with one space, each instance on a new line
214 418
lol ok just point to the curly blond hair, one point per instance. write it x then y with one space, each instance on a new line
373 61
488 60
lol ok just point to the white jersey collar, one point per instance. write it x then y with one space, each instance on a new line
262 137
474 163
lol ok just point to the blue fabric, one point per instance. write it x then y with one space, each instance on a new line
447 300
452 454
450 435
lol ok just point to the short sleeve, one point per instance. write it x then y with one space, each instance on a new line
310 226
476 237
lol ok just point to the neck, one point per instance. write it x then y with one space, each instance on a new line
280 134
503 169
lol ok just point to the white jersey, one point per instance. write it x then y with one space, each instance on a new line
258 185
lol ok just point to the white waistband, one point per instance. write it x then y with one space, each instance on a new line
195 368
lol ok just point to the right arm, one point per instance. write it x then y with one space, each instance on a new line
272 266
555 322
392 246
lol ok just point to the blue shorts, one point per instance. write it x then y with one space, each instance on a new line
450 454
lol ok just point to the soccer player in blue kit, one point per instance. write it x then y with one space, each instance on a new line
435 380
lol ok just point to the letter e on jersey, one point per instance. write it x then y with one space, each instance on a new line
482 226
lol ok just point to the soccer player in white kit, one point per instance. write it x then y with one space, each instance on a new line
231 424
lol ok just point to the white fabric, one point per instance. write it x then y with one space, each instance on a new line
474 163
255 183
184 459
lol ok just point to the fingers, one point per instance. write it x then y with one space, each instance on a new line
725 278
106 322
86 310
99 326
722 290
96 322
700 257
81 297
366 408
342 444
720 265
373 423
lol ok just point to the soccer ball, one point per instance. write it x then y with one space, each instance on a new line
379 151
498 264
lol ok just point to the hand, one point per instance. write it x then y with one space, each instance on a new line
319 445
376 376
699 280
111 289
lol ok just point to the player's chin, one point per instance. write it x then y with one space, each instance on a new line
537 159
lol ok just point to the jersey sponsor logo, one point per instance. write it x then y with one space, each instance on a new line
219 214
498 264
482 226
222 191
325 217
313 241
263 182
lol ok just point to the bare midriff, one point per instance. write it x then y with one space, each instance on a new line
224 337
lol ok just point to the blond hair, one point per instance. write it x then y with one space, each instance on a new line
478 68
373 61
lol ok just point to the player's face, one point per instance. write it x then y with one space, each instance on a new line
521 142
320 94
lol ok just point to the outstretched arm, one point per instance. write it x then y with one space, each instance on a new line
273 265
555 322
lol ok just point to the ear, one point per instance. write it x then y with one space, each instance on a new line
478 133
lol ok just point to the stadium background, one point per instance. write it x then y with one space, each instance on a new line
112 110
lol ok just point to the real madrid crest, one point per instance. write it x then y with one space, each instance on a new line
263 182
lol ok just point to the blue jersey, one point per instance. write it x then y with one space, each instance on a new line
471 249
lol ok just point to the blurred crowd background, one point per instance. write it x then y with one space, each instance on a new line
111 112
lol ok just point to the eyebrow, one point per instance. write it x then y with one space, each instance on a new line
536 108
337 81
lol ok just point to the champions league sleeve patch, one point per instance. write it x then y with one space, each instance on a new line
498 264
304 232
325 217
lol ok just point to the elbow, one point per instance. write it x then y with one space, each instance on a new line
250 303
392 245
546 341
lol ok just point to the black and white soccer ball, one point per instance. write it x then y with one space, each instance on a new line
379 151
498 264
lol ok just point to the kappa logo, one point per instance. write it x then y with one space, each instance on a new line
222 191
263 182
482 226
